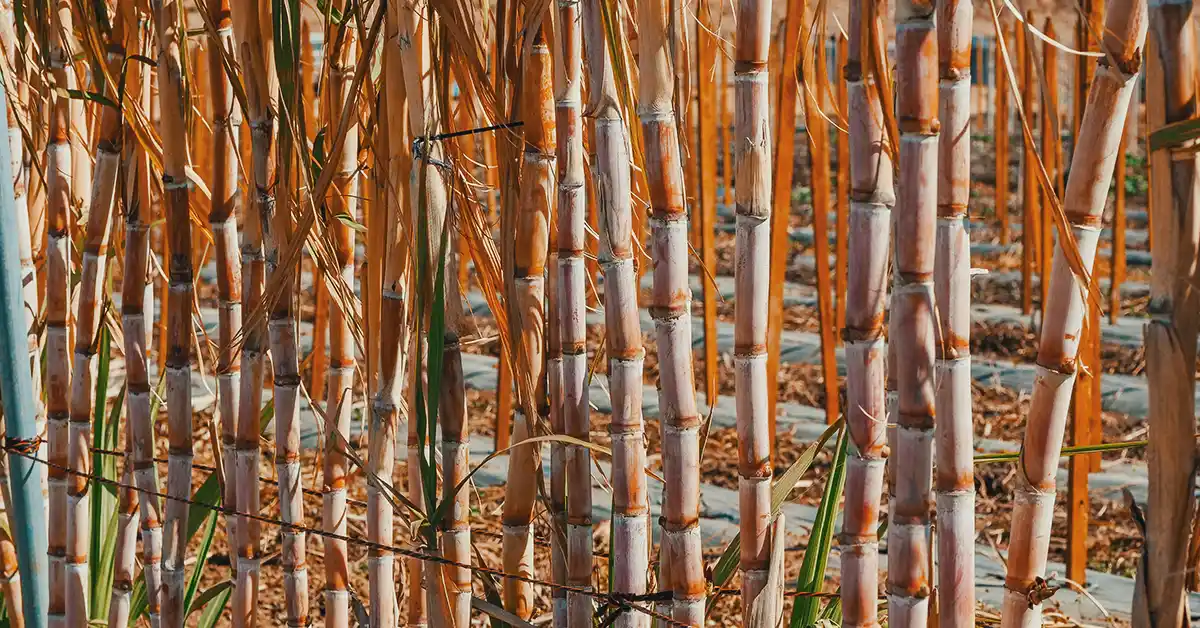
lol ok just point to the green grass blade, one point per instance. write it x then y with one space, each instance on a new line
210 529
102 498
213 601
816 555
138 603
831 615
728 563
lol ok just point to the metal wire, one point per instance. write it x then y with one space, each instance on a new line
622 602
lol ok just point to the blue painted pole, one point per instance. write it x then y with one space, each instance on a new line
16 389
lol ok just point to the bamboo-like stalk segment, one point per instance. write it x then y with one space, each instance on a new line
80 133
125 554
29 532
22 221
427 187
752 164
843 193
445 599
342 199
1175 318
567 70
670 307
58 310
557 499
425 195
1001 140
953 432
871 200
222 218
258 70
137 308
725 117
1087 189
456 527
394 340
1029 181
1051 157
909 582
83 386
504 373
527 296
448 589
176 189
282 334
572 312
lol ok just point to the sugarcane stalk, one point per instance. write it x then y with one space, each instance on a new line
10 578
752 165
954 432
394 339
222 218
282 332
16 387
58 311
1175 318
430 221
137 310
557 499
843 194
527 294
83 386
125 554
569 343
176 190
342 199
449 589
670 308
726 119
22 219
257 65
871 200
1083 205
425 195
456 526
79 137
915 224
572 309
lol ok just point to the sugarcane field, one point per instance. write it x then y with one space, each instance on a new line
599 313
